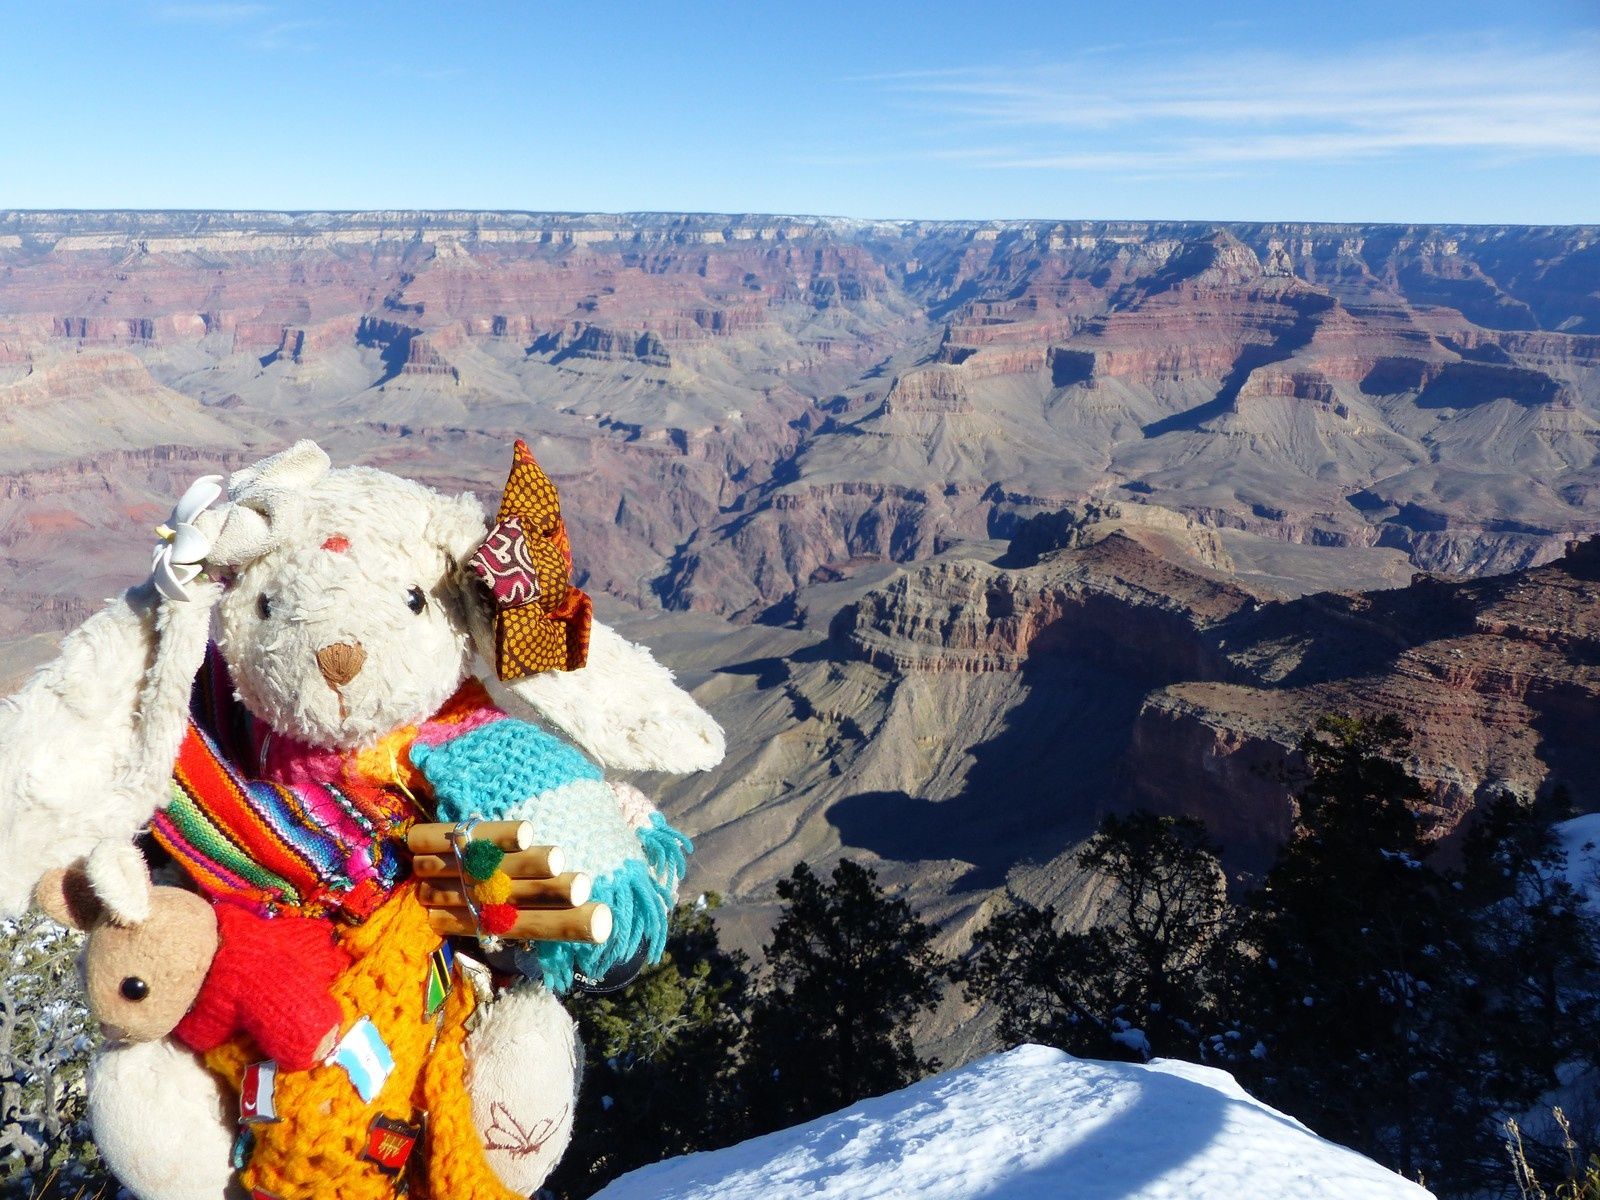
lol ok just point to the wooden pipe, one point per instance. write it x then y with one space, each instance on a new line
563 891
536 862
434 837
589 922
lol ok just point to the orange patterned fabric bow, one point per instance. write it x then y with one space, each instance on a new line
541 621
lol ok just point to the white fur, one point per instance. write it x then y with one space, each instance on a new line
87 745
624 709
318 597
524 1062
237 534
275 483
120 881
160 1122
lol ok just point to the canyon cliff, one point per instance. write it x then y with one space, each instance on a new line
970 532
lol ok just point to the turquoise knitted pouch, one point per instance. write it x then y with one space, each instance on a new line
511 770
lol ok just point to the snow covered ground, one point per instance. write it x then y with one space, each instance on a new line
1036 1124
1580 838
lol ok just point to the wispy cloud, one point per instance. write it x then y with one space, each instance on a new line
211 14
261 27
286 35
1134 110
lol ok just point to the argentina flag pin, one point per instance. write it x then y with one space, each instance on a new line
365 1057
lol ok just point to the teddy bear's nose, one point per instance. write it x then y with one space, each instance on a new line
341 662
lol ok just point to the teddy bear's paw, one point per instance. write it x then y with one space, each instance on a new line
522 1070
160 1122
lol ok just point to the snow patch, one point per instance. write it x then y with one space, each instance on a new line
1036 1124
1580 838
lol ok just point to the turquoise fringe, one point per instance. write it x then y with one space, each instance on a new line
666 850
640 906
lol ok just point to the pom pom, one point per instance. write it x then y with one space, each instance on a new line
497 918
494 890
480 859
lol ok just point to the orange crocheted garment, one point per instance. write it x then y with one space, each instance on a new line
314 1150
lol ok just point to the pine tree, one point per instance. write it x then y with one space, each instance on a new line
1390 994
1142 982
662 1059
848 971
1535 959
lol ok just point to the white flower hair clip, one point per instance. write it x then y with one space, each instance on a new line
181 553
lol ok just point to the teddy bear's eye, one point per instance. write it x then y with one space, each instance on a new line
263 606
415 600
134 988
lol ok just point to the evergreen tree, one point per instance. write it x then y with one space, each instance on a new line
848 971
662 1059
1535 958
1391 996
1144 981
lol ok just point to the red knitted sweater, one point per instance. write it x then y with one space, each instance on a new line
270 978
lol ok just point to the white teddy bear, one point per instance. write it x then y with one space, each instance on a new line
349 625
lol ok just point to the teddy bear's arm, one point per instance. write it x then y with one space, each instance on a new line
623 708
88 743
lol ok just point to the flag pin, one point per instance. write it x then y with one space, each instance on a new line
440 977
255 1093
389 1143
365 1057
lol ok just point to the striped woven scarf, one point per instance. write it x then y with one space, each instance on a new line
313 849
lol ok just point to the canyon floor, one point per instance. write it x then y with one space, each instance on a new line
968 532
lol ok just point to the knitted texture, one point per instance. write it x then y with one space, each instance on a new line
270 979
314 1150
666 850
457 1165
473 761
494 767
639 906
309 849
509 770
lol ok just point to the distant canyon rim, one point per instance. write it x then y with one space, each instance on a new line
968 531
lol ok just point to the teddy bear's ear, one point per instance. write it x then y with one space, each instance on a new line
622 707
260 496
66 897
121 881
285 472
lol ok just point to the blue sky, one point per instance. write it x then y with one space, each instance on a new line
1350 110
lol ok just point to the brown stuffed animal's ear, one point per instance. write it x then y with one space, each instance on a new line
66 897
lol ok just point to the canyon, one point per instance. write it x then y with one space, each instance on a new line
968 532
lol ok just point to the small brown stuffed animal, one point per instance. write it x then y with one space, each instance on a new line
201 972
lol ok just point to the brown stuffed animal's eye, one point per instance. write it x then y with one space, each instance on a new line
263 606
134 988
415 600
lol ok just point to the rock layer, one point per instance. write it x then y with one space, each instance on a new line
791 397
